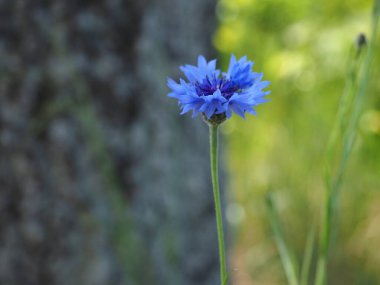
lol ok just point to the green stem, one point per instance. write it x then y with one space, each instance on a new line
285 255
334 182
216 191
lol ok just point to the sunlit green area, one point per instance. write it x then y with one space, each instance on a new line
303 49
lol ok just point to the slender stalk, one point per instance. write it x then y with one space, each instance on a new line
216 191
308 255
285 255
334 156
334 181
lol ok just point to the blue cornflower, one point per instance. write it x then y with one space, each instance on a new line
212 92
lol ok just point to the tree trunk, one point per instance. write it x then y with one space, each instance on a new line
102 182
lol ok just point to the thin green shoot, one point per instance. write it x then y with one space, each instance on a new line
285 255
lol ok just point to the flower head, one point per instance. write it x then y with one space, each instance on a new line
212 92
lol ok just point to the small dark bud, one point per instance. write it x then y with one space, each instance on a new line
361 40
215 119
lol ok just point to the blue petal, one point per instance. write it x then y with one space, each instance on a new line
212 64
194 104
241 103
202 61
190 72
173 85
232 64
239 72
186 108
238 110
251 111
200 72
214 104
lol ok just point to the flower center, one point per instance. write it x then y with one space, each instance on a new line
209 85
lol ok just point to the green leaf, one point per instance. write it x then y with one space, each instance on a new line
286 258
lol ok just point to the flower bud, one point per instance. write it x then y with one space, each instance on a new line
215 119
361 40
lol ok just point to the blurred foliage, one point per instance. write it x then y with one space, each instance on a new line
302 47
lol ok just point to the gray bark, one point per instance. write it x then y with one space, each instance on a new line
102 182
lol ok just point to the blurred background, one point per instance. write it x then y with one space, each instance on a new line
102 182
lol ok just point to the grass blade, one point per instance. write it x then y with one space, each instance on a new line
286 258
308 254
